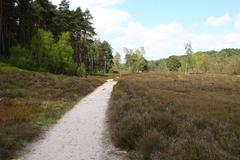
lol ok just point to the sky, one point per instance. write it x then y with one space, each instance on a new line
162 27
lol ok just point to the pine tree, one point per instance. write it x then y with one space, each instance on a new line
25 19
7 25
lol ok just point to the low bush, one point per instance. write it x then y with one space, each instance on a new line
169 116
31 101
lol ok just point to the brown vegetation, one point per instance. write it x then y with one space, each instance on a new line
30 101
176 116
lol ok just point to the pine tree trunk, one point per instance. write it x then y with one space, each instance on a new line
4 40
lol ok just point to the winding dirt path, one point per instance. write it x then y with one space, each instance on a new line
80 134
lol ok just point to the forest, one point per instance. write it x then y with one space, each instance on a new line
39 36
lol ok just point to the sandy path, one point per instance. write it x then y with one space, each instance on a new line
79 135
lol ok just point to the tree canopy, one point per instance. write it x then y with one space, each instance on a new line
53 34
135 61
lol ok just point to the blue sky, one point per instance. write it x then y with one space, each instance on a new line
153 12
163 27
191 13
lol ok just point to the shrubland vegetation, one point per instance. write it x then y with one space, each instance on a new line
180 116
39 36
31 101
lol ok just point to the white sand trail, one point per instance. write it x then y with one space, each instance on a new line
79 133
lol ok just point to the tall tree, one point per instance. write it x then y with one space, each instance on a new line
64 17
7 25
33 27
107 55
173 63
189 59
117 62
134 59
25 21
45 13
82 32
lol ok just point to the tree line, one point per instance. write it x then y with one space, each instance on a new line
134 61
226 61
35 34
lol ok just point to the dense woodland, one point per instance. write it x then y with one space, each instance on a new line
37 35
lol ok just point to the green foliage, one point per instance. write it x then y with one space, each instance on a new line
45 15
44 54
101 57
151 65
188 48
48 55
135 61
8 67
189 61
20 57
117 62
41 48
163 65
225 61
234 64
107 54
81 70
173 63
59 39
61 55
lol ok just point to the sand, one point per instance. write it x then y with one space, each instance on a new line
80 134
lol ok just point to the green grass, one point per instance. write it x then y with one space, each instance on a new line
31 101
8 67
170 116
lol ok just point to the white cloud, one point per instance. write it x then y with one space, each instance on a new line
237 22
107 19
158 41
232 37
168 39
161 41
218 21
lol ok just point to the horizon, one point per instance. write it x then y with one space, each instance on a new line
163 28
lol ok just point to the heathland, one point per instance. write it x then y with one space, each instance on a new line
177 116
31 101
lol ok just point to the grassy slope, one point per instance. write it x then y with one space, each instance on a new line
7 67
176 116
31 101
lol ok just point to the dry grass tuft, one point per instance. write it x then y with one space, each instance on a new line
176 116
